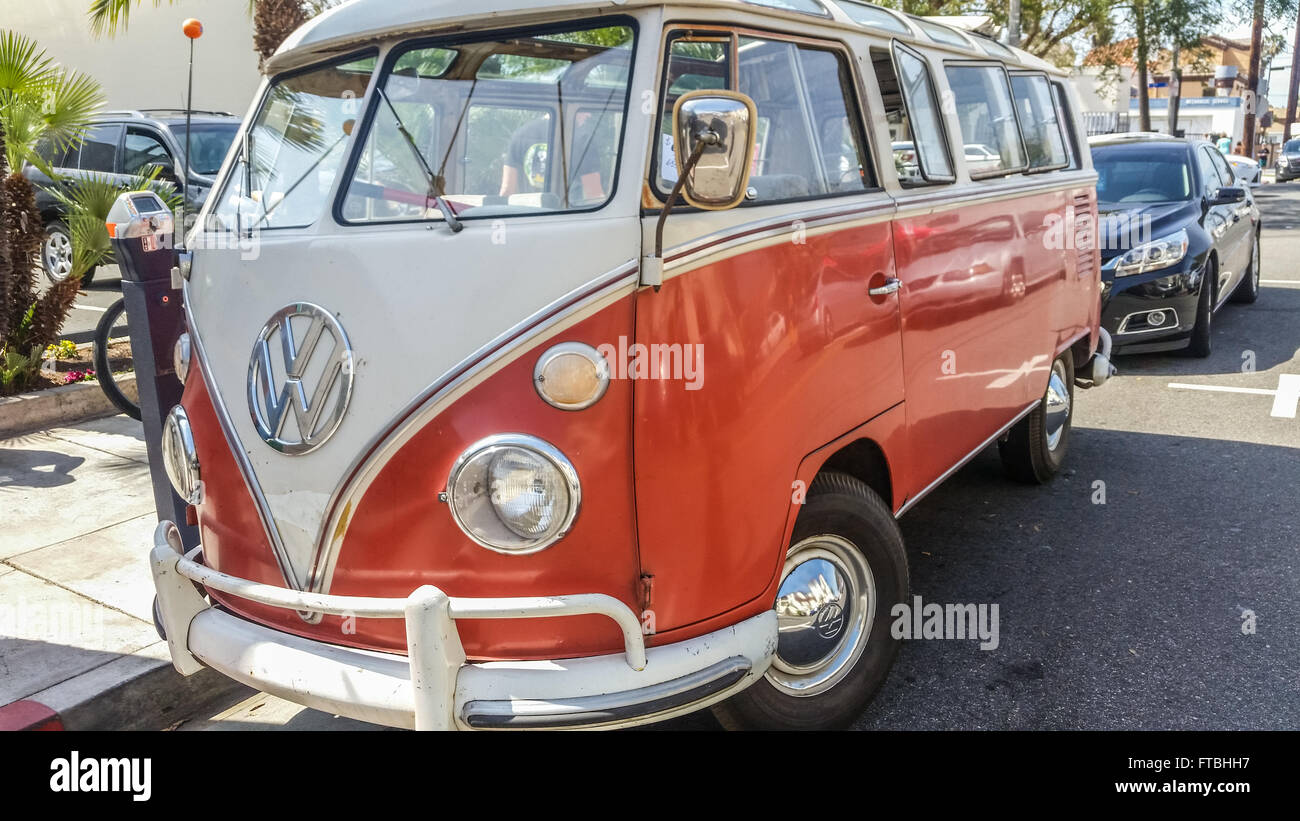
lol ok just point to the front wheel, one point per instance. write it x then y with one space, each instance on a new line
103 367
1034 450
844 572
1202 341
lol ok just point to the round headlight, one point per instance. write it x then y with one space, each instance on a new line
181 358
180 459
571 376
514 494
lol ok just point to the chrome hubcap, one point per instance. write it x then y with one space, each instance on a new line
1058 405
58 256
824 608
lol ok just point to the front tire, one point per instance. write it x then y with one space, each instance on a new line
1034 450
1202 342
845 571
103 368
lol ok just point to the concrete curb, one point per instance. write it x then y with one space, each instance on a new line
141 691
58 407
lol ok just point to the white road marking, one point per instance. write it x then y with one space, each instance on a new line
1286 399
1279 282
89 308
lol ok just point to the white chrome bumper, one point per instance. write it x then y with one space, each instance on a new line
434 687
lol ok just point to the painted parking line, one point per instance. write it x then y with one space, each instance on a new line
89 308
1279 282
1286 399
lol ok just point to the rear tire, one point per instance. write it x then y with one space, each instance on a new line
1035 448
833 655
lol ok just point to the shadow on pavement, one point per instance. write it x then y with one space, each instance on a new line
37 468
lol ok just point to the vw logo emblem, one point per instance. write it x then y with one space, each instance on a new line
829 621
300 379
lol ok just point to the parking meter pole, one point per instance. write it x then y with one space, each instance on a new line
142 229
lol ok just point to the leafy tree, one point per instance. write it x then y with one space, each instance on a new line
40 104
273 20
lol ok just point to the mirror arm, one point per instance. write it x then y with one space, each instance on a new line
704 140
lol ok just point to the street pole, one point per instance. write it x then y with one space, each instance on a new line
193 29
1252 79
1013 24
1175 92
1293 84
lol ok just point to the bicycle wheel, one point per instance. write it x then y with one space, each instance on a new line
103 370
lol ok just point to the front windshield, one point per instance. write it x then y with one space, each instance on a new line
297 145
1129 177
209 144
512 125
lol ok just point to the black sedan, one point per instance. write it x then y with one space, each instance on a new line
1179 237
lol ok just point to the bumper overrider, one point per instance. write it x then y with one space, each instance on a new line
434 687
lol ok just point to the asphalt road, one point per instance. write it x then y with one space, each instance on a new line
1123 615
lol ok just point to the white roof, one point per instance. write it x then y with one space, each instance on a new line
358 22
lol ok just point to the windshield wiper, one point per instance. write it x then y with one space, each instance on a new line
435 188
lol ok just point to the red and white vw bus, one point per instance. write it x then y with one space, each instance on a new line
566 363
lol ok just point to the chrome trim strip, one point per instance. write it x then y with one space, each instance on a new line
937 199
910 503
1123 325
236 447
736 238
593 711
377 453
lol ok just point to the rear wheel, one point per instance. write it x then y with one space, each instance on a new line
1034 450
56 254
1248 290
845 570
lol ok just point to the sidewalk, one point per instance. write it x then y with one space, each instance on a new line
76 596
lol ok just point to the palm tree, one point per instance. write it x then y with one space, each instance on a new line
273 20
41 104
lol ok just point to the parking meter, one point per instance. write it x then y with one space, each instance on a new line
142 230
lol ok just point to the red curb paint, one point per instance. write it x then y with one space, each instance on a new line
28 715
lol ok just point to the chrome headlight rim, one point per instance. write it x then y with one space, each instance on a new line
570 349
540 447
180 458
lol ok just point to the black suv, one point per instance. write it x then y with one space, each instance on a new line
1288 161
124 143
1179 238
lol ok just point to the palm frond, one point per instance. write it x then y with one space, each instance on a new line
108 17
68 106
23 65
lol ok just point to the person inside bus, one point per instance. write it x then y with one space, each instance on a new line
527 163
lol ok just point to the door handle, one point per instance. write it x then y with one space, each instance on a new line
892 286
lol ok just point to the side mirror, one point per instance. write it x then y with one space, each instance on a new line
714 136
164 171
1227 196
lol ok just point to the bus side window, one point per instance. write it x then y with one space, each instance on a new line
917 138
693 64
808 137
1066 117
